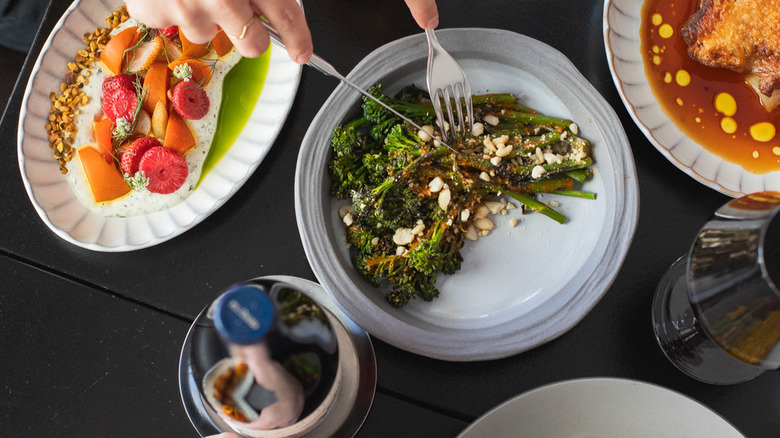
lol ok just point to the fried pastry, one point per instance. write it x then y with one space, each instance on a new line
740 35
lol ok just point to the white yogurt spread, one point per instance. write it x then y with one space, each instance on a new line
144 201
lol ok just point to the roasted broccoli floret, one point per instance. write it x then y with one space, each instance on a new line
384 120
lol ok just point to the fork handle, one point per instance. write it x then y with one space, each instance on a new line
315 61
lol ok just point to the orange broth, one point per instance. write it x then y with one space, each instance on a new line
714 107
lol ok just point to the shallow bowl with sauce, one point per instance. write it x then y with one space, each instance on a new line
706 121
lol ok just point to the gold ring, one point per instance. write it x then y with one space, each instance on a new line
243 31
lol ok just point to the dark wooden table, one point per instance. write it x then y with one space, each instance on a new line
89 341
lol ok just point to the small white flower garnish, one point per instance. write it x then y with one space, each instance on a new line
137 182
121 129
183 71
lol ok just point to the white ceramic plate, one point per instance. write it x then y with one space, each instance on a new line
49 190
604 408
518 287
622 19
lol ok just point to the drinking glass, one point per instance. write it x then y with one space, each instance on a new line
716 311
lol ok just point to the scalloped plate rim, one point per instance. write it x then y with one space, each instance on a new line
715 184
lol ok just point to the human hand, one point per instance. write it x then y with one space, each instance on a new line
424 12
199 21
272 376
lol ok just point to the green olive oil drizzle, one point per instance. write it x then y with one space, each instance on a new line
240 91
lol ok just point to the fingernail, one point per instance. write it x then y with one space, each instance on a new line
432 23
303 58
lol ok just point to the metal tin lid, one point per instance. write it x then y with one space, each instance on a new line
244 314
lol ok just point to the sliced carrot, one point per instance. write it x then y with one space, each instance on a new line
159 121
103 178
191 49
144 55
170 51
156 86
113 54
221 44
201 73
103 139
178 135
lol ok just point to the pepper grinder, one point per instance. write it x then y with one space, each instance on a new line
274 357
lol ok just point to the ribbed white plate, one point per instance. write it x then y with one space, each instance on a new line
622 19
604 408
518 287
49 190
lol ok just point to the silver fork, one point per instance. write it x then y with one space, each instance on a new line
448 82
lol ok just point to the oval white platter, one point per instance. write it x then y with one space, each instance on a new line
622 19
518 287
601 407
50 192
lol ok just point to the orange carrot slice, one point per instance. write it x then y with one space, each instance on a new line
113 53
103 178
201 73
178 135
191 49
103 139
156 86
144 55
170 51
160 121
221 44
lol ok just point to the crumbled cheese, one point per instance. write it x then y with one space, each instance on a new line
444 198
403 236
426 133
477 129
491 120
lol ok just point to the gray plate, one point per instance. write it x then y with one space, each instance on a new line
518 287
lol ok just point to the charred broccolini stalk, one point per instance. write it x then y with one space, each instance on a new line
406 222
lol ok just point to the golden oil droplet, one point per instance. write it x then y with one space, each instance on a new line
657 60
657 19
755 154
697 119
668 78
682 77
725 103
656 50
776 150
728 125
763 131
679 101
665 31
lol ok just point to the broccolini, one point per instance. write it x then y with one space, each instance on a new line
414 201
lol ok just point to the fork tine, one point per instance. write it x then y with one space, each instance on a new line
469 105
449 95
436 102
460 95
